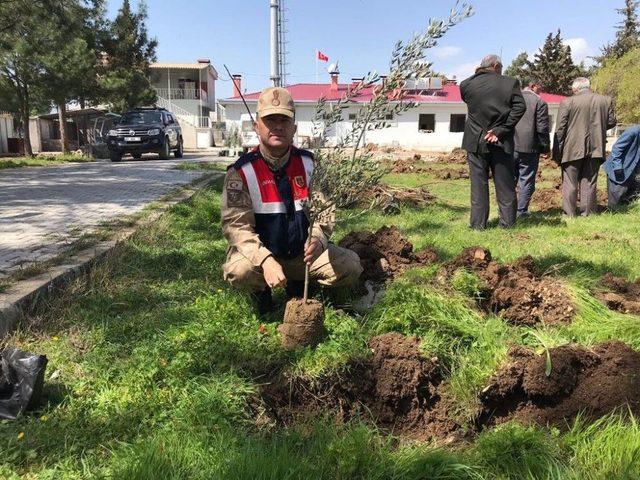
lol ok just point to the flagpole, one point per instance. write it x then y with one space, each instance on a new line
316 66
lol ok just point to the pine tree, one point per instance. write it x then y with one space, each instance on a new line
627 34
519 67
129 52
554 66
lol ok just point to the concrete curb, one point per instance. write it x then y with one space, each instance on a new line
24 296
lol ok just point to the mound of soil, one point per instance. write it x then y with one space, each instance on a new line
515 291
595 382
390 199
396 388
385 253
449 173
303 324
409 165
458 155
622 295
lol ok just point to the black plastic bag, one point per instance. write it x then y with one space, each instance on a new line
21 381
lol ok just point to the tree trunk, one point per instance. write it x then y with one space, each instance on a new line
24 110
62 120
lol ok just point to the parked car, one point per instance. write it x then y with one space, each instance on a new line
145 130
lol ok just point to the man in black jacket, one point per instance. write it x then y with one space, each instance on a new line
495 105
531 139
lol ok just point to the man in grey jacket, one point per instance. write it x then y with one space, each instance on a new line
531 139
579 146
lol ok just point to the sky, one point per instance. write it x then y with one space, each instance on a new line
360 34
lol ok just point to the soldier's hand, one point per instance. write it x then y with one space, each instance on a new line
312 250
273 274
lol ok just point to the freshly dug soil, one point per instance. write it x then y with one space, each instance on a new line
409 165
458 155
396 388
516 291
385 253
449 173
595 382
390 199
303 324
621 295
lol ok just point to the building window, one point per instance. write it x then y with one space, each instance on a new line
352 116
389 116
427 122
456 122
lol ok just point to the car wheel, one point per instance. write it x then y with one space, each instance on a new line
180 150
137 156
166 151
115 157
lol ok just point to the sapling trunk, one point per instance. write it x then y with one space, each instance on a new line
306 267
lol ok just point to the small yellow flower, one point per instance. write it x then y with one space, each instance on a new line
55 339
20 435
44 418
219 290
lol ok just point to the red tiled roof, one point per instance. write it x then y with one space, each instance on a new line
311 92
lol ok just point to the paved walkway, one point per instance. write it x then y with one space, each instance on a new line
43 209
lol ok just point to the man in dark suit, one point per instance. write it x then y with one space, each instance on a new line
495 105
579 144
531 139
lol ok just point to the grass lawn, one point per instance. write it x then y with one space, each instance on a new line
42 161
155 359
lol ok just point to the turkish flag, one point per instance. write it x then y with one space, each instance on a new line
322 56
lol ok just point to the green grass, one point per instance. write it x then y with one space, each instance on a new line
42 161
216 166
157 361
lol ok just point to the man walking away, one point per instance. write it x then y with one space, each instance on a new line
579 145
495 105
531 139
623 168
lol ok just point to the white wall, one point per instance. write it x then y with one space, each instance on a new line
403 132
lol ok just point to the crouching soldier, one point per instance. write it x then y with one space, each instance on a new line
263 219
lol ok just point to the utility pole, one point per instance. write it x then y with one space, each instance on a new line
275 43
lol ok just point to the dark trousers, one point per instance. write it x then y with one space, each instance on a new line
623 194
526 168
580 175
502 169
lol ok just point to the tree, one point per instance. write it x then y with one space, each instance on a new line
620 78
129 52
519 67
554 66
627 34
345 174
39 55
70 69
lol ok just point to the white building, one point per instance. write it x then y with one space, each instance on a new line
436 124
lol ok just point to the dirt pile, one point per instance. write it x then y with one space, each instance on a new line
515 291
412 164
396 388
457 155
449 173
621 295
595 382
303 324
385 253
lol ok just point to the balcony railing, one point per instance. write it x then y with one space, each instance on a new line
182 94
